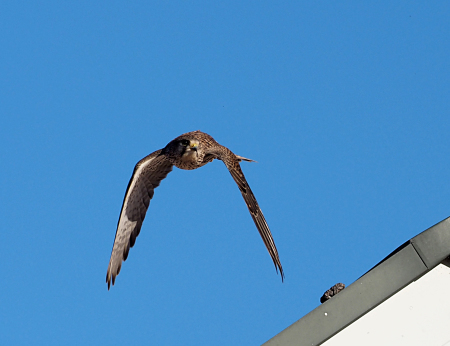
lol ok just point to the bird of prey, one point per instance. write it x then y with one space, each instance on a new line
188 151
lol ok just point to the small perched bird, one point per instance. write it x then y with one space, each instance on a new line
188 151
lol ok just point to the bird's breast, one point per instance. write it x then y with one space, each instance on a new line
188 160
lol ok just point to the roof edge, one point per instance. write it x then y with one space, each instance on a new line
405 264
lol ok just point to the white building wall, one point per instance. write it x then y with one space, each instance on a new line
418 315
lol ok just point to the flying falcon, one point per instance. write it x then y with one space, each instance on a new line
188 151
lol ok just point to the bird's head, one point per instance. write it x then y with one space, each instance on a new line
188 146
183 151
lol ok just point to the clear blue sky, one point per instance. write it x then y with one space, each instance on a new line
344 106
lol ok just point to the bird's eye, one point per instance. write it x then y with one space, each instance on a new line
184 142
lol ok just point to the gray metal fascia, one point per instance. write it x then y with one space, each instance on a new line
433 245
356 300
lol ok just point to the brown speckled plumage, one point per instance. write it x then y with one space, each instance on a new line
188 151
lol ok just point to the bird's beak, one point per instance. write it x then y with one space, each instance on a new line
194 146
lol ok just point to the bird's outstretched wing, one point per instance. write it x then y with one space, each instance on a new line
232 162
147 175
